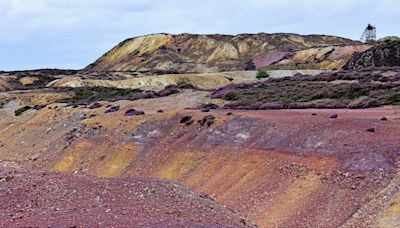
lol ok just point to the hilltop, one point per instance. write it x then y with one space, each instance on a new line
189 53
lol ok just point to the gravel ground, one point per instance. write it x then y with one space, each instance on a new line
63 200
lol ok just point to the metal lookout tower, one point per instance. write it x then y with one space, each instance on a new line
369 34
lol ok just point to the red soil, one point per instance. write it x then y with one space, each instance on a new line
284 168
65 200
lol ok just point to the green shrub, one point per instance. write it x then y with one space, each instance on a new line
185 84
231 96
394 98
262 74
388 40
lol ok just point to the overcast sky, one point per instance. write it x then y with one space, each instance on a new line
73 33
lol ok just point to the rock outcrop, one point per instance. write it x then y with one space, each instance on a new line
5 86
187 53
386 55
322 58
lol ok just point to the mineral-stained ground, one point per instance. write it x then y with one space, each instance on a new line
224 149
43 199
96 162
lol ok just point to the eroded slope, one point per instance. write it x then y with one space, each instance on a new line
276 168
187 53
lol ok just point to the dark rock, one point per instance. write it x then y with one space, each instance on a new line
19 111
94 105
229 113
9 178
334 116
384 119
169 90
133 112
229 78
209 120
209 106
372 130
160 111
38 107
314 114
249 65
205 110
144 95
112 109
186 119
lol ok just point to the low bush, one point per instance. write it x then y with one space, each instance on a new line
394 98
262 74
346 89
88 95
231 96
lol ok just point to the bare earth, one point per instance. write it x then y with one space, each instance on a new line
275 168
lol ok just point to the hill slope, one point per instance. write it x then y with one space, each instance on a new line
204 53
284 168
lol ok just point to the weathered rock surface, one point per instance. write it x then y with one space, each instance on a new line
323 58
5 86
275 168
281 168
187 53
385 55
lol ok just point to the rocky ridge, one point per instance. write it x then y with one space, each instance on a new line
187 53
384 55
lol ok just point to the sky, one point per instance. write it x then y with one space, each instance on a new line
70 34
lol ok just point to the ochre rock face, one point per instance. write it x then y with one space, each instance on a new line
188 53
284 168
5 86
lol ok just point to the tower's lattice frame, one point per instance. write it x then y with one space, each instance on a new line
369 34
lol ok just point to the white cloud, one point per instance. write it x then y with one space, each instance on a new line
77 31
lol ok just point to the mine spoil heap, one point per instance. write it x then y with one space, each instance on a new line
117 144
208 53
